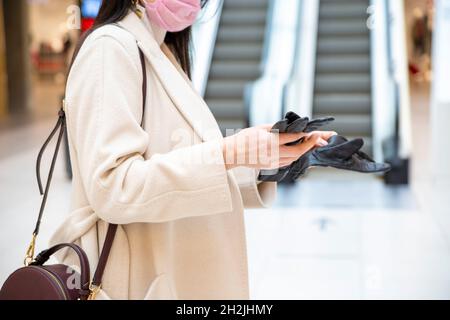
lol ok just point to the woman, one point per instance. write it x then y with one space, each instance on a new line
175 186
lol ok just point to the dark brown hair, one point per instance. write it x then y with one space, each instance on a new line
112 11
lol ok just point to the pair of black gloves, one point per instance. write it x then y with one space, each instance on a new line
340 153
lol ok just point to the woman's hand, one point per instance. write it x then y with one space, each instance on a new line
259 148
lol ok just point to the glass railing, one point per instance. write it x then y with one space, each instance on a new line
299 91
391 114
264 98
204 34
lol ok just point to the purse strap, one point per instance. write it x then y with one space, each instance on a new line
84 290
61 126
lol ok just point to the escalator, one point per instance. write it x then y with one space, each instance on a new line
236 60
342 85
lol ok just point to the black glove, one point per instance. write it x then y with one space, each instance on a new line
339 153
293 123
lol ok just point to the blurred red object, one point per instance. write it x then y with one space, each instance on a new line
86 24
413 68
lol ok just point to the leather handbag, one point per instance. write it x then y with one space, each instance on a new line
37 281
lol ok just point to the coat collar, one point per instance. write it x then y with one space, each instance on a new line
176 83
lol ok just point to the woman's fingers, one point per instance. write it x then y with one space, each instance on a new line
311 140
300 149
330 134
309 144
325 135
285 138
321 143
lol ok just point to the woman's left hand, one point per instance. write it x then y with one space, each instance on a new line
261 148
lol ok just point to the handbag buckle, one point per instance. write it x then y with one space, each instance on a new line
94 291
30 251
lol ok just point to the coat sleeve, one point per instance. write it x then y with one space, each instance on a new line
104 111
255 195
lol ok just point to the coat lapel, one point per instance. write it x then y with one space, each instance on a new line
177 85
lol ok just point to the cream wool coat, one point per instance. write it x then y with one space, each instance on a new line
181 233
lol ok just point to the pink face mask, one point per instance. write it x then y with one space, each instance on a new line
173 15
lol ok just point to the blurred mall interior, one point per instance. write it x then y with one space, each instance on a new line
380 67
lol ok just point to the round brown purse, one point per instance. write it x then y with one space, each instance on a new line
37 281
53 282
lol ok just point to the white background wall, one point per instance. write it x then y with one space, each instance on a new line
440 107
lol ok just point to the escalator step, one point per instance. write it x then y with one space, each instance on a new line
244 17
343 63
225 89
232 124
347 3
240 34
241 4
353 83
343 28
350 125
235 70
333 104
227 108
349 45
238 51
335 10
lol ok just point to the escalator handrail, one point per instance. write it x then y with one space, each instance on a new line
400 138
391 67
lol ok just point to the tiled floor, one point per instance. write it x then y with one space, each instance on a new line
331 236
356 254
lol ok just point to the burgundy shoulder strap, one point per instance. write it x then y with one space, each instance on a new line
61 126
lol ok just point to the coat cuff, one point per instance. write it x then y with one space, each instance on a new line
255 195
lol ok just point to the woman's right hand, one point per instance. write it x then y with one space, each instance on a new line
260 148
